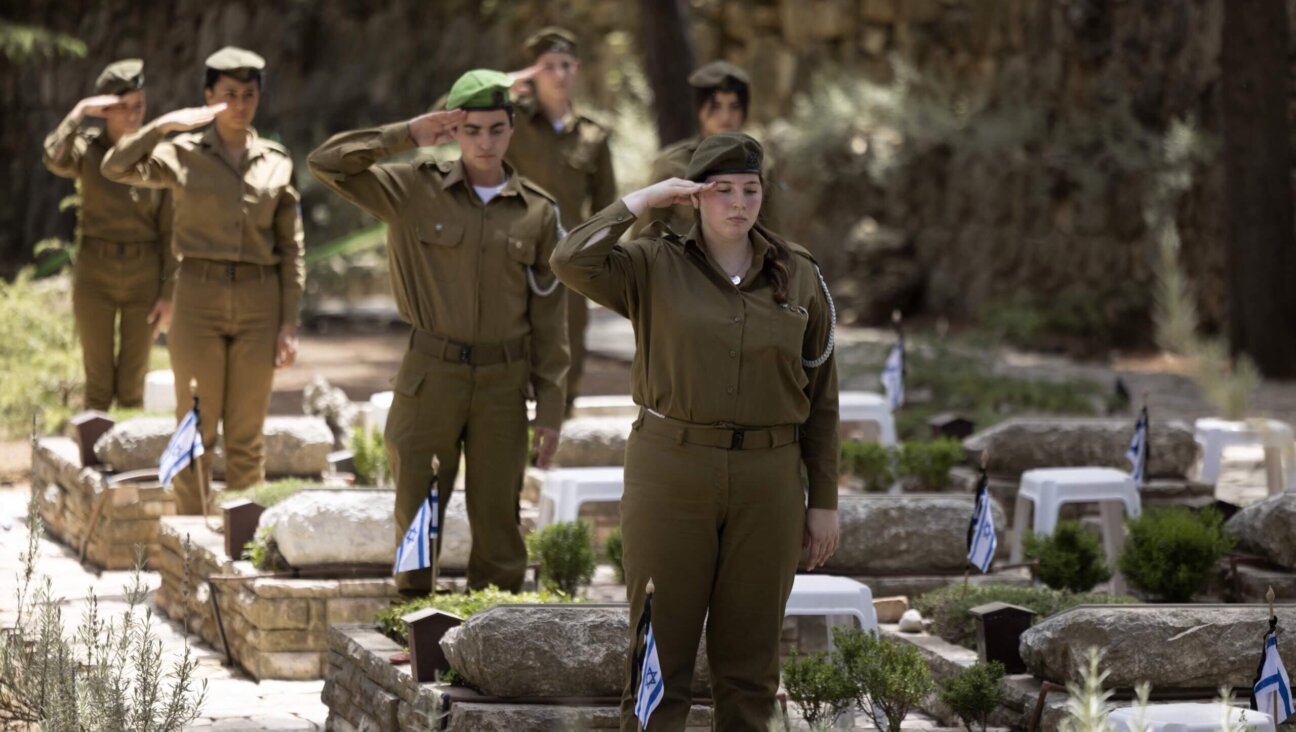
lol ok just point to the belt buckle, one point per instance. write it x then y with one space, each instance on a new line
229 271
736 439
465 354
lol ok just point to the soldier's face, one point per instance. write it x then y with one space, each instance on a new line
557 73
241 99
126 116
484 138
730 209
722 113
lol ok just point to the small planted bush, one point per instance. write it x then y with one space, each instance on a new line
465 606
370 457
1071 559
870 462
928 463
614 551
1171 553
948 607
818 685
566 554
890 678
973 693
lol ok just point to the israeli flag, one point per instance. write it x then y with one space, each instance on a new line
1138 449
650 681
982 543
1272 691
415 550
185 447
893 375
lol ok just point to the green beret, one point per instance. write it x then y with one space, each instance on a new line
724 153
550 39
716 74
480 89
120 77
239 63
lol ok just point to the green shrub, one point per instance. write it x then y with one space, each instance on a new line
928 463
870 462
465 606
974 693
889 677
370 457
1171 553
566 554
948 607
820 689
40 355
262 551
1071 559
614 550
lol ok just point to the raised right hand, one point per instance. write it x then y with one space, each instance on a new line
189 118
670 192
434 128
95 106
520 78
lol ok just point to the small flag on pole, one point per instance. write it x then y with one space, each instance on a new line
185 447
416 549
651 686
981 540
1138 449
893 375
1272 692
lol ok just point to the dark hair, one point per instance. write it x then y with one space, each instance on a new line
214 75
776 263
703 97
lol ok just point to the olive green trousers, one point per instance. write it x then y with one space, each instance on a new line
114 288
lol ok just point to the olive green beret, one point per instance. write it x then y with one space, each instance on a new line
120 77
480 89
715 74
237 62
724 153
550 39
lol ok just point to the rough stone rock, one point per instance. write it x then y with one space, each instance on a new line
890 609
917 533
313 527
548 650
1026 443
592 442
1267 528
293 445
1170 646
911 622
330 403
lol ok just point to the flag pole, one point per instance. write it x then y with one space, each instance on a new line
195 464
985 462
436 538
1273 624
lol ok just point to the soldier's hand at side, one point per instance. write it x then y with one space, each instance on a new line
96 106
189 118
160 316
286 347
434 128
670 192
520 78
544 445
820 536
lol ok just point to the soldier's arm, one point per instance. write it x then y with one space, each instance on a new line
550 353
143 158
63 147
820 448
347 163
661 170
165 220
589 260
291 242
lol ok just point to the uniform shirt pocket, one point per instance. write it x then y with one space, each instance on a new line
441 239
787 329
439 231
522 250
260 202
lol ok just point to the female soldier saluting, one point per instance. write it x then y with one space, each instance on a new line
734 375
238 232
124 265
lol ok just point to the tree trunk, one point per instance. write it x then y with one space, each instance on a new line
1258 186
668 58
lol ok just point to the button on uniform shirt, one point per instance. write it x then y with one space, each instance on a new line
229 211
573 164
459 267
672 162
708 351
112 212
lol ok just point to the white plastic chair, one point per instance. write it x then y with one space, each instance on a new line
1188 717
379 406
1276 437
832 598
865 406
159 391
565 490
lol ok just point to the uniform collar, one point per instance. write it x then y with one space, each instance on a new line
457 174
761 247
211 141
535 113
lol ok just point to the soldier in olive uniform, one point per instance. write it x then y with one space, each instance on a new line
734 374
124 267
565 151
238 233
721 99
469 242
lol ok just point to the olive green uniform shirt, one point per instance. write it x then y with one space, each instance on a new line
225 211
461 269
711 352
110 211
672 162
574 165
